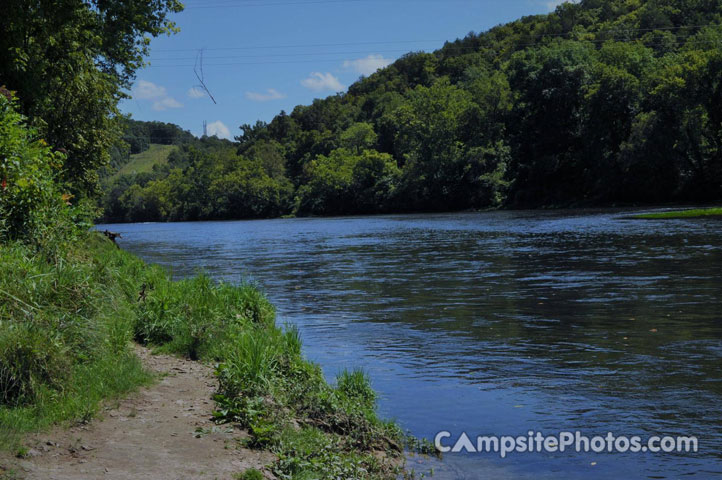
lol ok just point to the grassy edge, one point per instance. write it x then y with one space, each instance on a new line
677 214
315 429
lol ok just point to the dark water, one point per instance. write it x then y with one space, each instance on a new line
498 323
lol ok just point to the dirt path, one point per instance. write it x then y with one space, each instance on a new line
163 432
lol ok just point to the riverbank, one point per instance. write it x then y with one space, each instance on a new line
691 213
67 324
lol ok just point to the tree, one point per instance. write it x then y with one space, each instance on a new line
448 151
374 179
69 61
358 137
548 121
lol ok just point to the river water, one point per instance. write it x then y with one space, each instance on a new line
497 323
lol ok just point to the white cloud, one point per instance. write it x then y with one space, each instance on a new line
145 90
271 94
219 130
196 93
318 81
166 103
368 65
553 4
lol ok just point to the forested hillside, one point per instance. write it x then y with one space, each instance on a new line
600 102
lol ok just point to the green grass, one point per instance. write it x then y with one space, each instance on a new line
143 162
693 213
67 322
251 474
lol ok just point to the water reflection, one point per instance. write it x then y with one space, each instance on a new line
497 323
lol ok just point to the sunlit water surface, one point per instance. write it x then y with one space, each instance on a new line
497 323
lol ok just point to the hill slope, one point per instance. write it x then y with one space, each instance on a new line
145 161
600 102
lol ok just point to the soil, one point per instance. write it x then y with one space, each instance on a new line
163 432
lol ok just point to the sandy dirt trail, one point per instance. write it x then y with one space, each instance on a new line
163 432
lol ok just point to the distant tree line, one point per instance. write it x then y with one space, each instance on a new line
600 102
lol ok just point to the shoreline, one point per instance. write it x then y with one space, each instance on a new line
712 212
264 384
548 209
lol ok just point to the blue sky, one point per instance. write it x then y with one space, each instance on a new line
264 56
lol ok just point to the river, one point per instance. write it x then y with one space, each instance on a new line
497 323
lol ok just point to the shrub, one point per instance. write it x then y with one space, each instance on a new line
29 195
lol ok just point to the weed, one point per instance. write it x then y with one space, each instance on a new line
22 451
250 474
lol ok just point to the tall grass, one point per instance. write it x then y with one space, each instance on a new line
65 328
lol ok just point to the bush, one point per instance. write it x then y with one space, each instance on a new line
29 196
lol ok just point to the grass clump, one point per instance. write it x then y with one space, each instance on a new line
250 474
316 430
692 213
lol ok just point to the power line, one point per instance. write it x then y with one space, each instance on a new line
305 54
261 47
343 59
282 62
451 45
396 42
255 3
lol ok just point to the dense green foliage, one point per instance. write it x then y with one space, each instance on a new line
68 61
600 102
29 194
200 180
139 135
